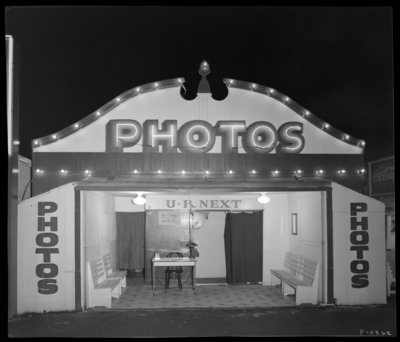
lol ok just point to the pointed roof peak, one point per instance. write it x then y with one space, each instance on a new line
204 70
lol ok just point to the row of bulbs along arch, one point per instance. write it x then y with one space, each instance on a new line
229 172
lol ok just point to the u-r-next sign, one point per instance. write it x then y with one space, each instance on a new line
199 136
381 176
203 203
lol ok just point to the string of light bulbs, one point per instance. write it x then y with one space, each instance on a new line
207 172
177 82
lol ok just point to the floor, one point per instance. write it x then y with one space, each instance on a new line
139 296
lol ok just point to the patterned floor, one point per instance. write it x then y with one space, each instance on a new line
136 296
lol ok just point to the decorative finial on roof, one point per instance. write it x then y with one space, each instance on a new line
204 70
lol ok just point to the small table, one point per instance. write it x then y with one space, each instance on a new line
174 262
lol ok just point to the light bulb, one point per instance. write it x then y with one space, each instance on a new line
263 199
98 113
139 200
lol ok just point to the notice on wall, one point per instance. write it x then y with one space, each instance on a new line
169 218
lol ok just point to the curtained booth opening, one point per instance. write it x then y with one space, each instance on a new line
243 247
130 241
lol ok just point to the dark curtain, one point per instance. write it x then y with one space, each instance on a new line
243 247
130 240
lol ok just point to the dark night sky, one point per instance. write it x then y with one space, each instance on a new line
336 62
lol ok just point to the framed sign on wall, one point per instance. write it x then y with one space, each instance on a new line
381 177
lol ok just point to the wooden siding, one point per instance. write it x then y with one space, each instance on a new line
101 164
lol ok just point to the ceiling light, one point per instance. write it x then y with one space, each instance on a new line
139 200
263 199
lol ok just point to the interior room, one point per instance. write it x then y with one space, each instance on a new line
238 241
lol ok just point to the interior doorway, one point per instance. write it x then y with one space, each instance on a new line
243 238
130 241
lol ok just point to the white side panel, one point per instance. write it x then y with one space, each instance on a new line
168 104
310 231
210 239
60 294
275 235
372 289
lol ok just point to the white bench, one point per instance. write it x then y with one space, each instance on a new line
300 273
110 274
100 289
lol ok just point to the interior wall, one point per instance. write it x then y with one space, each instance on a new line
125 204
309 239
100 225
210 240
275 235
163 235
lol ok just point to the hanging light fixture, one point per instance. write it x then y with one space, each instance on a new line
263 199
139 199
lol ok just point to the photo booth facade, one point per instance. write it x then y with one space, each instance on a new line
201 166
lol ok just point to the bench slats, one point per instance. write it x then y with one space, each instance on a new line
293 268
292 280
306 274
294 257
117 274
292 262
107 262
111 283
311 265
308 269
299 270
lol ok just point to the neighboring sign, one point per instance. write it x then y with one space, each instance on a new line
381 177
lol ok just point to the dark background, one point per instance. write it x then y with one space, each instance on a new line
335 62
